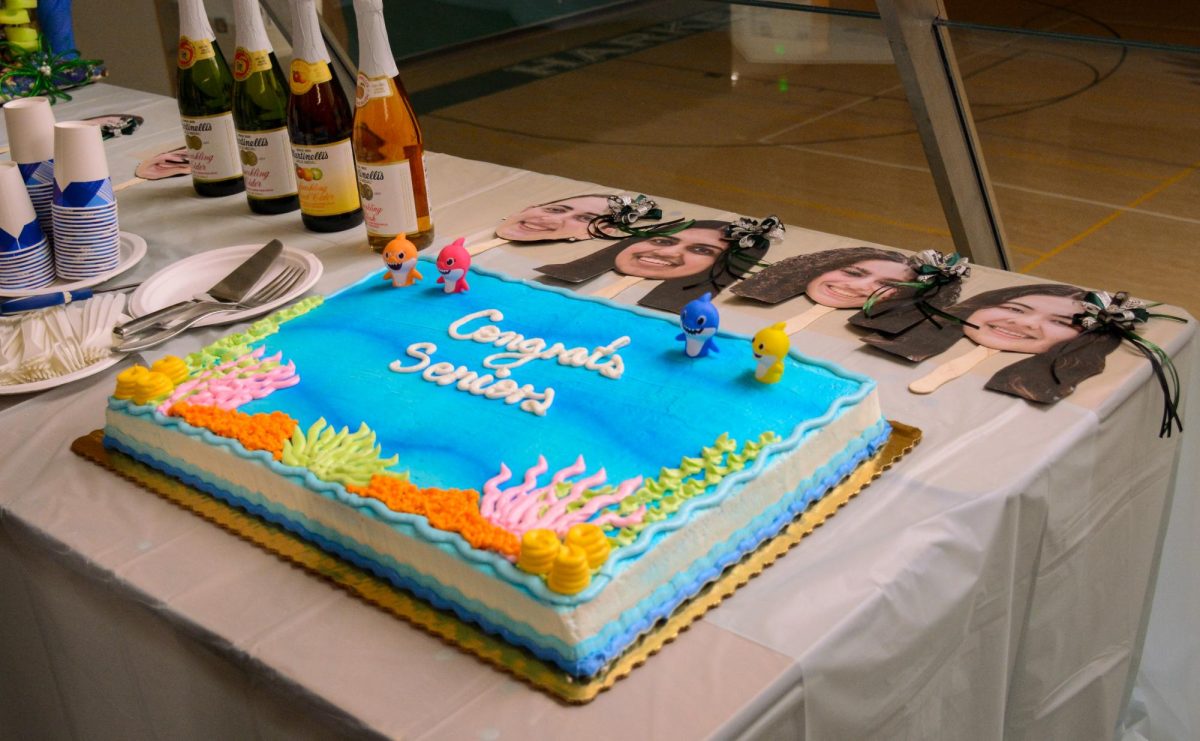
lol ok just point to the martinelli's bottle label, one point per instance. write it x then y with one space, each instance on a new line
388 200
267 163
212 146
325 178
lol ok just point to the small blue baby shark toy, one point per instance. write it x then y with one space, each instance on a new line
699 320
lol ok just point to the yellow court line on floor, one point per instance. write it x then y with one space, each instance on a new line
1111 217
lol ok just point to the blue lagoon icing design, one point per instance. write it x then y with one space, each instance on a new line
664 407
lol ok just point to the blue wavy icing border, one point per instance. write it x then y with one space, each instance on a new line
591 655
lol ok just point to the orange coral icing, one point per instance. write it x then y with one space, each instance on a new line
254 431
454 510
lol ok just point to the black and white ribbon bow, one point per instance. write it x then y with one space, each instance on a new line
1118 313
747 233
625 211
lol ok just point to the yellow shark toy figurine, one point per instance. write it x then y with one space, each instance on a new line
770 347
400 255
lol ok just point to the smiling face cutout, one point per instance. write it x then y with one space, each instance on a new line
666 256
1028 324
850 286
557 220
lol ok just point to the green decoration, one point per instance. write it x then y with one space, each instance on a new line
695 475
43 72
342 457
238 344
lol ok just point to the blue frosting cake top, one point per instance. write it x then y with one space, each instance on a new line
664 405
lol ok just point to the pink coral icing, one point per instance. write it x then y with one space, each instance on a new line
526 507
235 382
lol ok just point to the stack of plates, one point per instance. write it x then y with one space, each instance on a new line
86 237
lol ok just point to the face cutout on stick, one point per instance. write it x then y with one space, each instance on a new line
1038 321
840 279
849 286
690 262
169 164
564 219
116 124
1030 324
904 303
667 256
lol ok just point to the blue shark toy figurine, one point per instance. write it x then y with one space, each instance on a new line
699 320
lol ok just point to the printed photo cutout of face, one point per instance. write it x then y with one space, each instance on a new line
667 256
1027 324
169 164
850 286
557 220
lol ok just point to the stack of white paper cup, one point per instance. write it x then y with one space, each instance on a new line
25 258
30 124
86 235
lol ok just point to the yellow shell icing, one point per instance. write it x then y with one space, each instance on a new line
172 367
570 574
127 381
539 548
152 386
590 538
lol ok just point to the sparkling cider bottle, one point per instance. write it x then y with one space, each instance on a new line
260 99
319 123
387 140
206 105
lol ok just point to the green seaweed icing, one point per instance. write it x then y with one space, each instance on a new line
238 344
342 457
666 494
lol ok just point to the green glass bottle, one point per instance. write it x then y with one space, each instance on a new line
206 105
319 122
260 97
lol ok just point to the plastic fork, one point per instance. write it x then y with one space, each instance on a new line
278 286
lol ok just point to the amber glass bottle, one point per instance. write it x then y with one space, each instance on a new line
319 124
260 98
206 105
387 140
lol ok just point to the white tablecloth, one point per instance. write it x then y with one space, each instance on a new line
991 585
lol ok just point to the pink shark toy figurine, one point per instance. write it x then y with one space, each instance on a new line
453 262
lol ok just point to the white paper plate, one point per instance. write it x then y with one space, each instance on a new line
133 249
196 274
49 383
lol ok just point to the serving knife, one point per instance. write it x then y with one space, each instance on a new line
230 289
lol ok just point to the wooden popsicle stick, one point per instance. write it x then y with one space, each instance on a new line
805 318
128 184
950 370
476 249
611 290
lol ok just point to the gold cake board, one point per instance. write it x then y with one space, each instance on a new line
523 665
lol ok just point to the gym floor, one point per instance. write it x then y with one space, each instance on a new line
1092 148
